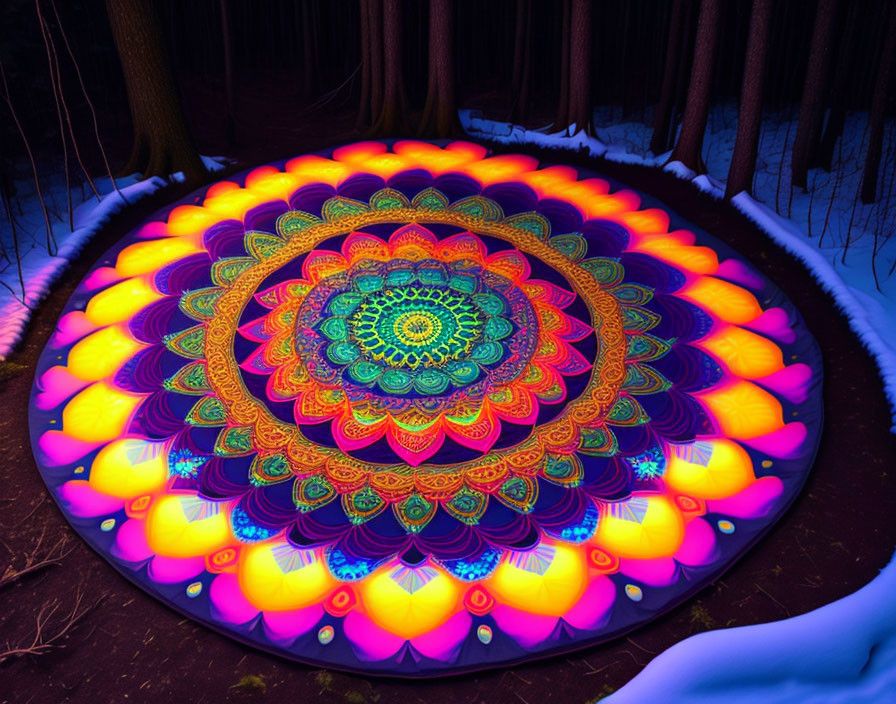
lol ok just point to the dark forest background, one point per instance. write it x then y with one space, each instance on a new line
296 66
93 88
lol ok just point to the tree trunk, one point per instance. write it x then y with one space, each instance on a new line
662 116
161 143
440 113
749 118
308 50
878 110
812 103
580 108
842 78
392 120
366 68
686 61
561 122
522 62
688 149
230 124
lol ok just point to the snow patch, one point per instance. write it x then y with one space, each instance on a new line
40 270
842 652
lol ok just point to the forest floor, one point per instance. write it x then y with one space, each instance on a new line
130 647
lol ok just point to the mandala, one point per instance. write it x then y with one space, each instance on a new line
411 409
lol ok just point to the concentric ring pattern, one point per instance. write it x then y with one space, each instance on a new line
412 409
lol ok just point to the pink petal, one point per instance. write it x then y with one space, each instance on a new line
228 602
369 641
442 642
81 499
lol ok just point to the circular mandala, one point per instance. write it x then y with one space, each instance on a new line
409 409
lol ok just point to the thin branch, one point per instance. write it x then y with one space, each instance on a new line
7 206
37 560
68 119
51 240
47 636
87 99
56 86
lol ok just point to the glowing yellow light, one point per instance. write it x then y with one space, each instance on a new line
500 168
233 204
359 152
744 410
184 525
274 184
222 187
129 468
551 593
319 169
544 181
409 613
651 221
144 257
99 413
434 159
267 586
189 220
715 469
644 528
102 353
728 301
120 302
699 260
745 353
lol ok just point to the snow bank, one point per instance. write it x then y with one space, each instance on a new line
866 316
40 270
842 652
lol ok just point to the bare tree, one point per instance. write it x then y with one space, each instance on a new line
661 140
51 239
440 112
843 76
561 122
580 112
230 118
371 62
392 120
87 100
878 109
688 149
808 125
522 62
161 142
749 118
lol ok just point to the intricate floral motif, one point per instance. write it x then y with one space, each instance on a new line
417 340
412 400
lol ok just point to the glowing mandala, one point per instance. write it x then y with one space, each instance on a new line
408 409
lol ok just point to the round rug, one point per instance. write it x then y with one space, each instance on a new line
408 409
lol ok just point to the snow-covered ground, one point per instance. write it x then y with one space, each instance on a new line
844 652
39 268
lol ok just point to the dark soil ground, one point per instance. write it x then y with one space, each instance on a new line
129 647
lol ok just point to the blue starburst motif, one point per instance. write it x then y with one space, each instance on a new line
650 464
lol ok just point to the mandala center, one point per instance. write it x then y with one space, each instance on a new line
415 326
417 329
